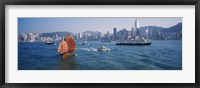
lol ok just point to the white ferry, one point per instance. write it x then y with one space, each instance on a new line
133 42
137 41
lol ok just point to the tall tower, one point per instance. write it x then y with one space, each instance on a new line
147 33
115 33
137 27
108 35
79 35
132 32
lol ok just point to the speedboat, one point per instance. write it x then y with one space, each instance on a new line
103 48
85 43
50 42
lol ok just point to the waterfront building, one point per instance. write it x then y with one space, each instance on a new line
79 36
99 35
147 33
137 27
159 35
114 33
57 37
22 37
125 34
31 37
108 33
120 33
133 32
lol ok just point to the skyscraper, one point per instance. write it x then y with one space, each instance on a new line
147 33
120 34
107 35
133 31
79 35
115 33
124 34
137 27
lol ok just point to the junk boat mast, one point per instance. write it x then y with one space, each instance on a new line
67 47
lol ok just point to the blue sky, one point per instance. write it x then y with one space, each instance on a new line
80 24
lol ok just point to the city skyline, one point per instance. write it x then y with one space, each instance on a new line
47 25
148 32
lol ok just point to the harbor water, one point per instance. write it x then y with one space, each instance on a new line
160 55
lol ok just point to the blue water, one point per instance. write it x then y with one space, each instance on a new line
160 55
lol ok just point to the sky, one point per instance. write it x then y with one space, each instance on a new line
81 24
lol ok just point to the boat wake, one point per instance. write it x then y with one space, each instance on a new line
88 49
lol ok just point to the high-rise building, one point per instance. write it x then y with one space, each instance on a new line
133 31
137 27
98 35
107 32
79 35
57 37
147 33
31 37
22 37
120 34
115 33
107 35
124 34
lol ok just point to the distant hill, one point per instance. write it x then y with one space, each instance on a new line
54 33
173 32
175 28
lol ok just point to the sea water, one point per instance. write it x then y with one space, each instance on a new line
160 55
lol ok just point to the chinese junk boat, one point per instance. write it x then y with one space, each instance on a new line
67 47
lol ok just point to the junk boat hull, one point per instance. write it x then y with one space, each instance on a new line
66 56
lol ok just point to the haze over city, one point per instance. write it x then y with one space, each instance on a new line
78 24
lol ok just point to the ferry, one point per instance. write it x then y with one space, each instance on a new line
105 40
137 40
134 42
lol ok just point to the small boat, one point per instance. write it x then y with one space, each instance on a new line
103 48
50 42
67 47
85 43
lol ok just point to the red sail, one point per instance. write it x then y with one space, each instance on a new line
63 47
71 43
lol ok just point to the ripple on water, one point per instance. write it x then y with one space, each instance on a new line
161 55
